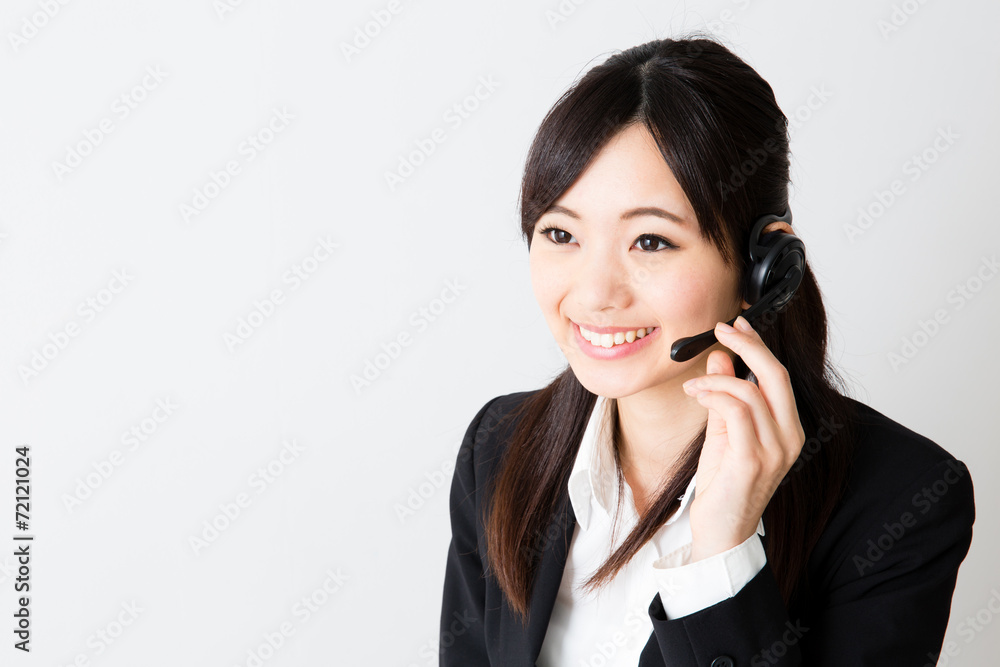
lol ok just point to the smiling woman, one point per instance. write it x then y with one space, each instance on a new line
602 263
637 240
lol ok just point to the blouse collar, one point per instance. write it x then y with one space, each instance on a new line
593 475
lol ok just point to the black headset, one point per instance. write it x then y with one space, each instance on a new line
777 262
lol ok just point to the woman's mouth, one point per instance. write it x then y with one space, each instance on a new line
613 345
607 340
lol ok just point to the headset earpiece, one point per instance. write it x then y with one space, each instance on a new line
777 263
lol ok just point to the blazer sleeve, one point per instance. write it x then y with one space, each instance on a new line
462 637
886 602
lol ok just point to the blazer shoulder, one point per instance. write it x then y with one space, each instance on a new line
889 456
490 429
897 476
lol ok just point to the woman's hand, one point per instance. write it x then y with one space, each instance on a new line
753 438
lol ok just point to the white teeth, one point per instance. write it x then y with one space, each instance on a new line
610 340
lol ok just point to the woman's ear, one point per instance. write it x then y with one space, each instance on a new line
776 226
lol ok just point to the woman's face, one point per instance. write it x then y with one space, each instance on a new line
609 264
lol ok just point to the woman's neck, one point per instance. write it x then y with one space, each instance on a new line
654 430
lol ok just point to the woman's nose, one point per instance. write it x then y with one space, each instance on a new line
602 281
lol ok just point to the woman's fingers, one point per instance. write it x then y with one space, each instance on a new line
758 413
772 377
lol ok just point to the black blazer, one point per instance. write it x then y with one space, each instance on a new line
883 570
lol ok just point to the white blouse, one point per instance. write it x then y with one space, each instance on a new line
612 626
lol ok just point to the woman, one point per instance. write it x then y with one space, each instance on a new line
768 518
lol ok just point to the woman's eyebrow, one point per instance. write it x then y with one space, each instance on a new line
627 215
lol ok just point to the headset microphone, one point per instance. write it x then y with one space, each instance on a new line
777 262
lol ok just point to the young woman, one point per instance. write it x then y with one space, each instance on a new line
713 505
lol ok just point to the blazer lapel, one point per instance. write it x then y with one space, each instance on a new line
526 643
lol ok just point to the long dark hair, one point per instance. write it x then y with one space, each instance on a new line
720 131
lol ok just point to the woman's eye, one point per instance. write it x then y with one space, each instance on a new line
561 234
649 242
646 242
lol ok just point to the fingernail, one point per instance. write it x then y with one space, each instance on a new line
742 323
722 326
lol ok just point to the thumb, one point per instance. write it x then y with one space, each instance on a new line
718 362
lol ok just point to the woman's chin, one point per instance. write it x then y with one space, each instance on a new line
609 384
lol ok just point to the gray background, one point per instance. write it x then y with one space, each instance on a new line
365 453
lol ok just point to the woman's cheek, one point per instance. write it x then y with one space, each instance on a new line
680 299
549 287
545 284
